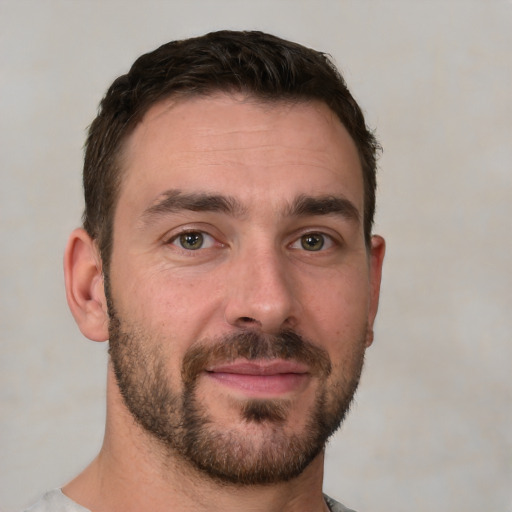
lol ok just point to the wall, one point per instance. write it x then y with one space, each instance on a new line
432 425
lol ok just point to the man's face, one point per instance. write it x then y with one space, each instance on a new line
241 288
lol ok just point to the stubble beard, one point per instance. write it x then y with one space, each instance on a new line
263 451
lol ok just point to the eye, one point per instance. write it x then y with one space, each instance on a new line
193 240
313 242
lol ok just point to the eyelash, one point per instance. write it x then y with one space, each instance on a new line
176 240
327 241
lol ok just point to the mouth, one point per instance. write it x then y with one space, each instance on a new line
263 378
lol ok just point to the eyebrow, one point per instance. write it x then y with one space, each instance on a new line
304 206
173 201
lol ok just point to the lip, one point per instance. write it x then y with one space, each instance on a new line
261 378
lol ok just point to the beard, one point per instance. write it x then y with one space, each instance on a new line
264 451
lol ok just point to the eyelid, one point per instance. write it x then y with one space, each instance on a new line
208 240
172 237
330 240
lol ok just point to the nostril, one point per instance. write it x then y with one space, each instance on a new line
247 320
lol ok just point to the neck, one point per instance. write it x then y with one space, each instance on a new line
131 474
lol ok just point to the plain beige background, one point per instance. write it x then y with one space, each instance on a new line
432 425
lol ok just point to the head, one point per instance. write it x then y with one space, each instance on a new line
227 252
254 64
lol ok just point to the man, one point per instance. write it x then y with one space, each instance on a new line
227 256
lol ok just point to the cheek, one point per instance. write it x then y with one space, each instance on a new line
337 320
165 302
341 305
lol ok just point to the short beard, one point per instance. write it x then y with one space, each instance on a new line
180 422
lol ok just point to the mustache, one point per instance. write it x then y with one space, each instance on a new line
254 345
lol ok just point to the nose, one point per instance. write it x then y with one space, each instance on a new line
261 293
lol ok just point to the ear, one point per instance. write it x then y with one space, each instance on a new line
377 251
85 291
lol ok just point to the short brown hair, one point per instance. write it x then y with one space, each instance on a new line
253 63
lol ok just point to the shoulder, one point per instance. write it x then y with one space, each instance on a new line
56 501
334 506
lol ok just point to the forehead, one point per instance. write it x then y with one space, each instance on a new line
240 144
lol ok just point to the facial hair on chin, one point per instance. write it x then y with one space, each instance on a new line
182 425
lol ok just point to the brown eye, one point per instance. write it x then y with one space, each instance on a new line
312 241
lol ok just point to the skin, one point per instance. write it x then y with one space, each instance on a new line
252 272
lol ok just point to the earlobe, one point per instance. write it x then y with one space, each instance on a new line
377 251
84 285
